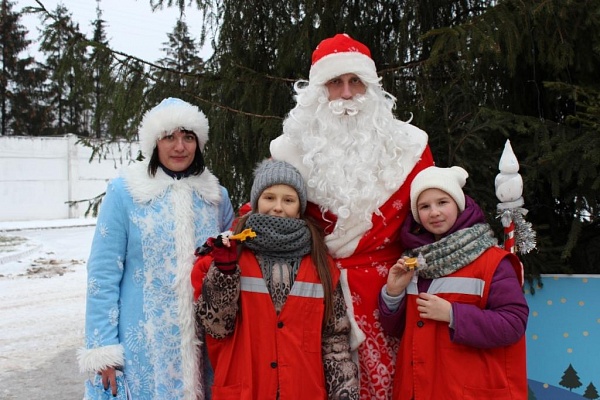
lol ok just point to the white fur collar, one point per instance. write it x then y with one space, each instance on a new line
144 188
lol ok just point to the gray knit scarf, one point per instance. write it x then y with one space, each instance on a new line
454 251
278 240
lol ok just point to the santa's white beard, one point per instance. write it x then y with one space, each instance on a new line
351 153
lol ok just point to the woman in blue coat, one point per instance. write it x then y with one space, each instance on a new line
139 314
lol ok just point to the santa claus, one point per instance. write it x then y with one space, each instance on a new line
358 161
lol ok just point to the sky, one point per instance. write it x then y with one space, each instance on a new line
131 28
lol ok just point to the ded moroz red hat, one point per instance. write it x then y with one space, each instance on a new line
341 55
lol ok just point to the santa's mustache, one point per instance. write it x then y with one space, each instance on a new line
347 107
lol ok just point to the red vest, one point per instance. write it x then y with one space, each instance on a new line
430 366
267 351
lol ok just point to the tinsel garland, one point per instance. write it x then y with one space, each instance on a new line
525 236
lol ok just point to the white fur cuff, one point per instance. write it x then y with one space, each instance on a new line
92 360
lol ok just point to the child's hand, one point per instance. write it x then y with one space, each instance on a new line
433 307
398 278
225 254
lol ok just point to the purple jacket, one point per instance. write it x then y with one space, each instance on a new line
501 323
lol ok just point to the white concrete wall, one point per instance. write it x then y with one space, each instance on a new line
39 175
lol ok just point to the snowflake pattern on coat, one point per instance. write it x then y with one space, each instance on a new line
139 288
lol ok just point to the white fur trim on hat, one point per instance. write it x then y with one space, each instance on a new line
450 180
171 114
337 64
339 55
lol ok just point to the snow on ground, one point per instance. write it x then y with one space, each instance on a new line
42 305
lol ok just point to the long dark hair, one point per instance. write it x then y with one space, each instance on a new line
196 167
320 258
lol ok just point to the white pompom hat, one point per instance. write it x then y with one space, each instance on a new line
171 114
341 55
450 180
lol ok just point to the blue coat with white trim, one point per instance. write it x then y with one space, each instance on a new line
139 313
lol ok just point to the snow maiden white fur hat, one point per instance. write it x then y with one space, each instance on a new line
450 180
341 55
171 114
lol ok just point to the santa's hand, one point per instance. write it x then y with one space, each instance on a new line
398 278
433 307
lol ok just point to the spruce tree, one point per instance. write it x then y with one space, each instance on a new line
570 379
180 70
591 392
99 66
21 80
31 116
523 70
69 91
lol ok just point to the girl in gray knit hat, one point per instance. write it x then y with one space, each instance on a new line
272 307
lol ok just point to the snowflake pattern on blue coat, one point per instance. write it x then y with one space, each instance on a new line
139 294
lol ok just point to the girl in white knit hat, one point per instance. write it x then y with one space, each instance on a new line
275 315
460 311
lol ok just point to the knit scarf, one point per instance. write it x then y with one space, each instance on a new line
454 251
278 241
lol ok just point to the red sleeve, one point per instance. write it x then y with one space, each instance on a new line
199 272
